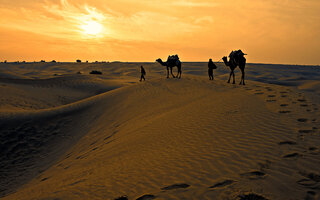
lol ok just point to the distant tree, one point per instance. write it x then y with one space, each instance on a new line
78 61
53 61
23 61
43 61
87 61
5 61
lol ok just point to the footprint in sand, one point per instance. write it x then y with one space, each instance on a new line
146 197
314 150
44 179
292 155
302 120
271 95
305 131
304 105
284 105
254 175
271 100
287 142
95 148
251 196
307 182
176 186
284 111
259 93
222 184
283 92
301 100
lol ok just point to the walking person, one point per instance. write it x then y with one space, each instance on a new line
211 66
143 73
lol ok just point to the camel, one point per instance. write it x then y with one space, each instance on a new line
236 59
173 61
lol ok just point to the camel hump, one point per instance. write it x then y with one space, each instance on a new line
237 53
173 59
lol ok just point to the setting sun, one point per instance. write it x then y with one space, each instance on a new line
92 28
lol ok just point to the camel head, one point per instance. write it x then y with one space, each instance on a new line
161 62
225 60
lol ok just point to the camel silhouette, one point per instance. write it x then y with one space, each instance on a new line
172 61
236 58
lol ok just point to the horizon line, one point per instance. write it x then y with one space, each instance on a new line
115 61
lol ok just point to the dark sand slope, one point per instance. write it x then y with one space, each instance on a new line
32 139
160 139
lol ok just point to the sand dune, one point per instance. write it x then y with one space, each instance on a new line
192 138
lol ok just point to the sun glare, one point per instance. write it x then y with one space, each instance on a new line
92 28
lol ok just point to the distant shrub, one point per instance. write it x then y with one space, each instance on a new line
78 61
87 61
53 61
5 61
79 72
95 72
43 61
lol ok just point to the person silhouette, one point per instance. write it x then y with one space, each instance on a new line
211 66
143 73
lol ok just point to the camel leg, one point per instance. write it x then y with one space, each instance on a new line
179 73
234 81
242 79
167 72
230 76
179 70
172 73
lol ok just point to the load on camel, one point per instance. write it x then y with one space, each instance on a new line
236 58
172 61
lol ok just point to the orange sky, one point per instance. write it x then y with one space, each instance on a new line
269 31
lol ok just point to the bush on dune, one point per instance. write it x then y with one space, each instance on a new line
95 72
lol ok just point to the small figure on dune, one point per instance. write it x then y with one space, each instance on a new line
172 61
236 58
143 73
211 66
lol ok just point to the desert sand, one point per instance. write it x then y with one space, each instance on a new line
69 135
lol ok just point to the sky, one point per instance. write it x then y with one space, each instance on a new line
269 31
